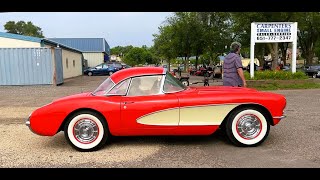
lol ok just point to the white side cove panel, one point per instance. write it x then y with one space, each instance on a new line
204 115
169 117
189 116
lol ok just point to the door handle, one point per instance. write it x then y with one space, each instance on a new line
128 102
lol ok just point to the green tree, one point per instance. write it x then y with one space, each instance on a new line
183 30
23 28
138 55
121 50
155 55
197 34
135 56
165 44
308 33
242 28
217 33
198 41
317 51
116 50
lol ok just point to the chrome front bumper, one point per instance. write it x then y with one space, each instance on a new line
28 122
29 125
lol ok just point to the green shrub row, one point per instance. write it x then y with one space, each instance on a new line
276 75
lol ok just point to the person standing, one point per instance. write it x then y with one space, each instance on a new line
232 68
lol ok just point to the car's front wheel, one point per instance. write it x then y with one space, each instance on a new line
90 73
247 127
86 131
110 73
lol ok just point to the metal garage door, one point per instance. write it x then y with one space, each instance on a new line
25 66
59 67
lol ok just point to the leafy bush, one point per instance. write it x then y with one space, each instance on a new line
276 75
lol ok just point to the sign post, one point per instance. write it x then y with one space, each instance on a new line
273 32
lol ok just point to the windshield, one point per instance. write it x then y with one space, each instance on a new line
104 87
172 84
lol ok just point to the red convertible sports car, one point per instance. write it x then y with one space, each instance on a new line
150 101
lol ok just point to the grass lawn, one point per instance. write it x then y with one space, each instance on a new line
278 86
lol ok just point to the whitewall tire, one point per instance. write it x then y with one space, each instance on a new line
86 131
247 127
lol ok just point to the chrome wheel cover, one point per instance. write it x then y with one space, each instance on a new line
249 126
85 131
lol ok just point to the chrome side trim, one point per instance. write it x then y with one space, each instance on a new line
168 109
279 117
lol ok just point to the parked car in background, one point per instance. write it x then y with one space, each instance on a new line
313 71
115 64
125 66
217 71
183 79
285 68
102 69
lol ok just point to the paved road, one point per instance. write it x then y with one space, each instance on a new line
292 143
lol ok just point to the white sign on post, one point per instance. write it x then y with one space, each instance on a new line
273 32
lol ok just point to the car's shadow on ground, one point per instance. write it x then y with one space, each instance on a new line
217 137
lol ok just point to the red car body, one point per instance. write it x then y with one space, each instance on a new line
191 111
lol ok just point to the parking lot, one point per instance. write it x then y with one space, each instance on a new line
292 143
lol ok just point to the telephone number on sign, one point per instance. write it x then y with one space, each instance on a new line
273 38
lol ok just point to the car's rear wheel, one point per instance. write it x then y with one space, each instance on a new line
110 73
314 75
247 127
89 73
86 131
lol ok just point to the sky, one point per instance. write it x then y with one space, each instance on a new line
118 28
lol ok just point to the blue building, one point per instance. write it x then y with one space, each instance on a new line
94 50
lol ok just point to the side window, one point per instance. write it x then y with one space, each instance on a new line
145 85
172 84
105 66
120 88
99 67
